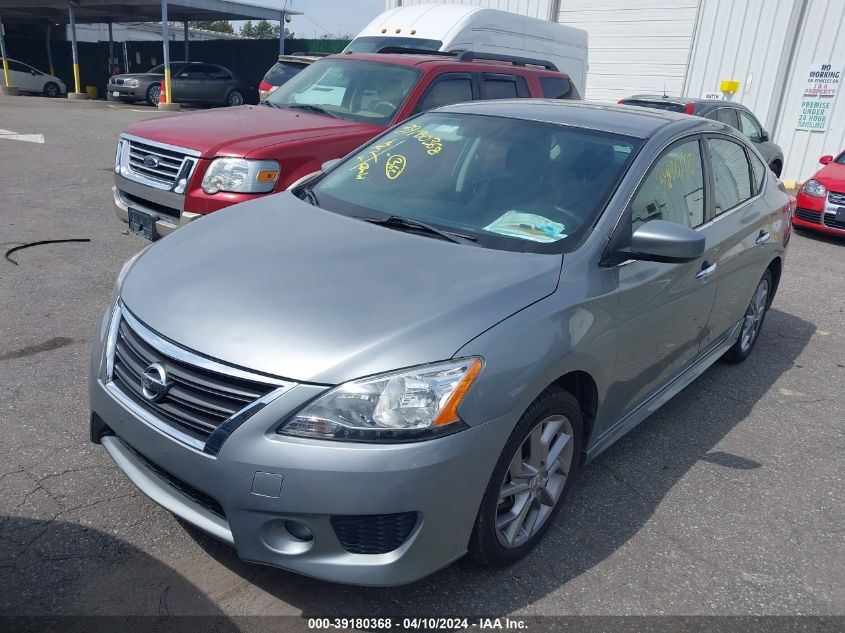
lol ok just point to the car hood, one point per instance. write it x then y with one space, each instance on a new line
145 76
278 286
832 176
243 129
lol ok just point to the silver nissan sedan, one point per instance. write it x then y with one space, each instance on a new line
406 358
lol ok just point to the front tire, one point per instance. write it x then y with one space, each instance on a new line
51 89
530 480
154 95
752 322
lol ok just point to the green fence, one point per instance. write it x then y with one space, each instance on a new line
248 59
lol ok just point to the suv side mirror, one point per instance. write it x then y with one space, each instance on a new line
662 241
827 159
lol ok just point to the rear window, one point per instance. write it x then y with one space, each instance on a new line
556 88
657 105
282 71
375 44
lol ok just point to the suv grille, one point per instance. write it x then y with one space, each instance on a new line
165 163
835 197
373 533
198 400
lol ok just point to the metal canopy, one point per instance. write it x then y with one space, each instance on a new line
102 11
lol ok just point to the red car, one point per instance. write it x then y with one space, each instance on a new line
171 170
821 200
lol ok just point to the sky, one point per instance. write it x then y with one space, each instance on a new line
328 16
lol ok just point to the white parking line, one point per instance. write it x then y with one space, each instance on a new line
28 138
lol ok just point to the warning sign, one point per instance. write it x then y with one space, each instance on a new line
814 115
822 80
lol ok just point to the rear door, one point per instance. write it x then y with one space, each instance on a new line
191 84
739 232
218 85
663 308
22 77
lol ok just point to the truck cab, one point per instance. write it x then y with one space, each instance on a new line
169 171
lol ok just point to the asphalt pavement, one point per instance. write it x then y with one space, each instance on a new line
729 500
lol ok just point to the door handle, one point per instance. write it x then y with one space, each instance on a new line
707 269
762 238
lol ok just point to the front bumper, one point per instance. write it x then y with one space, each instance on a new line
135 93
165 222
442 480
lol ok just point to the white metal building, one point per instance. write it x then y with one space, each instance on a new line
689 47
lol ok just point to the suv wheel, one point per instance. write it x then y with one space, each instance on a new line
530 480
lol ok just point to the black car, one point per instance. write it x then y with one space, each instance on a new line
190 82
734 114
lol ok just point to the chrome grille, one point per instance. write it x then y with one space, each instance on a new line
167 162
198 400
834 197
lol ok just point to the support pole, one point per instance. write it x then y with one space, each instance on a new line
50 50
166 103
282 34
187 40
8 88
77 93
111 50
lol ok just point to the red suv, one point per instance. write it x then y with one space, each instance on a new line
169 171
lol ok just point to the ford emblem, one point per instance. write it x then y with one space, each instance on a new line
150 161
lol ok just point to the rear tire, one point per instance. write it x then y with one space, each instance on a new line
154 95
51 89
235 98
752 322
490 543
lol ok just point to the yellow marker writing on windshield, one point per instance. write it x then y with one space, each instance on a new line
394 166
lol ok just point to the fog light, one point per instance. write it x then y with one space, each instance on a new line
299 530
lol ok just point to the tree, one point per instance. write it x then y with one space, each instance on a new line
262 30
221 26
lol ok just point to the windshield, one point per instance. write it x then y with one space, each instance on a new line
356 90
175 67
282 72
511 184
376 43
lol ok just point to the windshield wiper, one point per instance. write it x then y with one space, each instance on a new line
310 196
311 108
400 223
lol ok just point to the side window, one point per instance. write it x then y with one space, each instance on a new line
724 115
196 71
731 174
673 190
218 72
759 170
749 127
502 86
18 67
446 89
556 87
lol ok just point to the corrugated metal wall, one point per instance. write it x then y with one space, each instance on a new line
532 8
821 39
636 46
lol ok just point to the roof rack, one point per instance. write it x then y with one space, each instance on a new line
469 56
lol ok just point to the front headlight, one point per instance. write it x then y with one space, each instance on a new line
132 83
240 175
814 188
410 404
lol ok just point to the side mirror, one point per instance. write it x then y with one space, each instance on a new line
329 164
827 159
662 241
764 136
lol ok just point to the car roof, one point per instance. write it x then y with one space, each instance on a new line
619 119
419 59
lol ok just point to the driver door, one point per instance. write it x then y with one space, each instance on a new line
663 308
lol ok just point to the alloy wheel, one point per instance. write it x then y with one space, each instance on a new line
534 481
236 98
51 90
754 315
155 94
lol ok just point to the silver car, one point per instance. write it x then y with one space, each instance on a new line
405 359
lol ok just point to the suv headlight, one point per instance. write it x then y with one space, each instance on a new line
240 175
410 404
814 188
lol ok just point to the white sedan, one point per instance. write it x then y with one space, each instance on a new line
28 79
